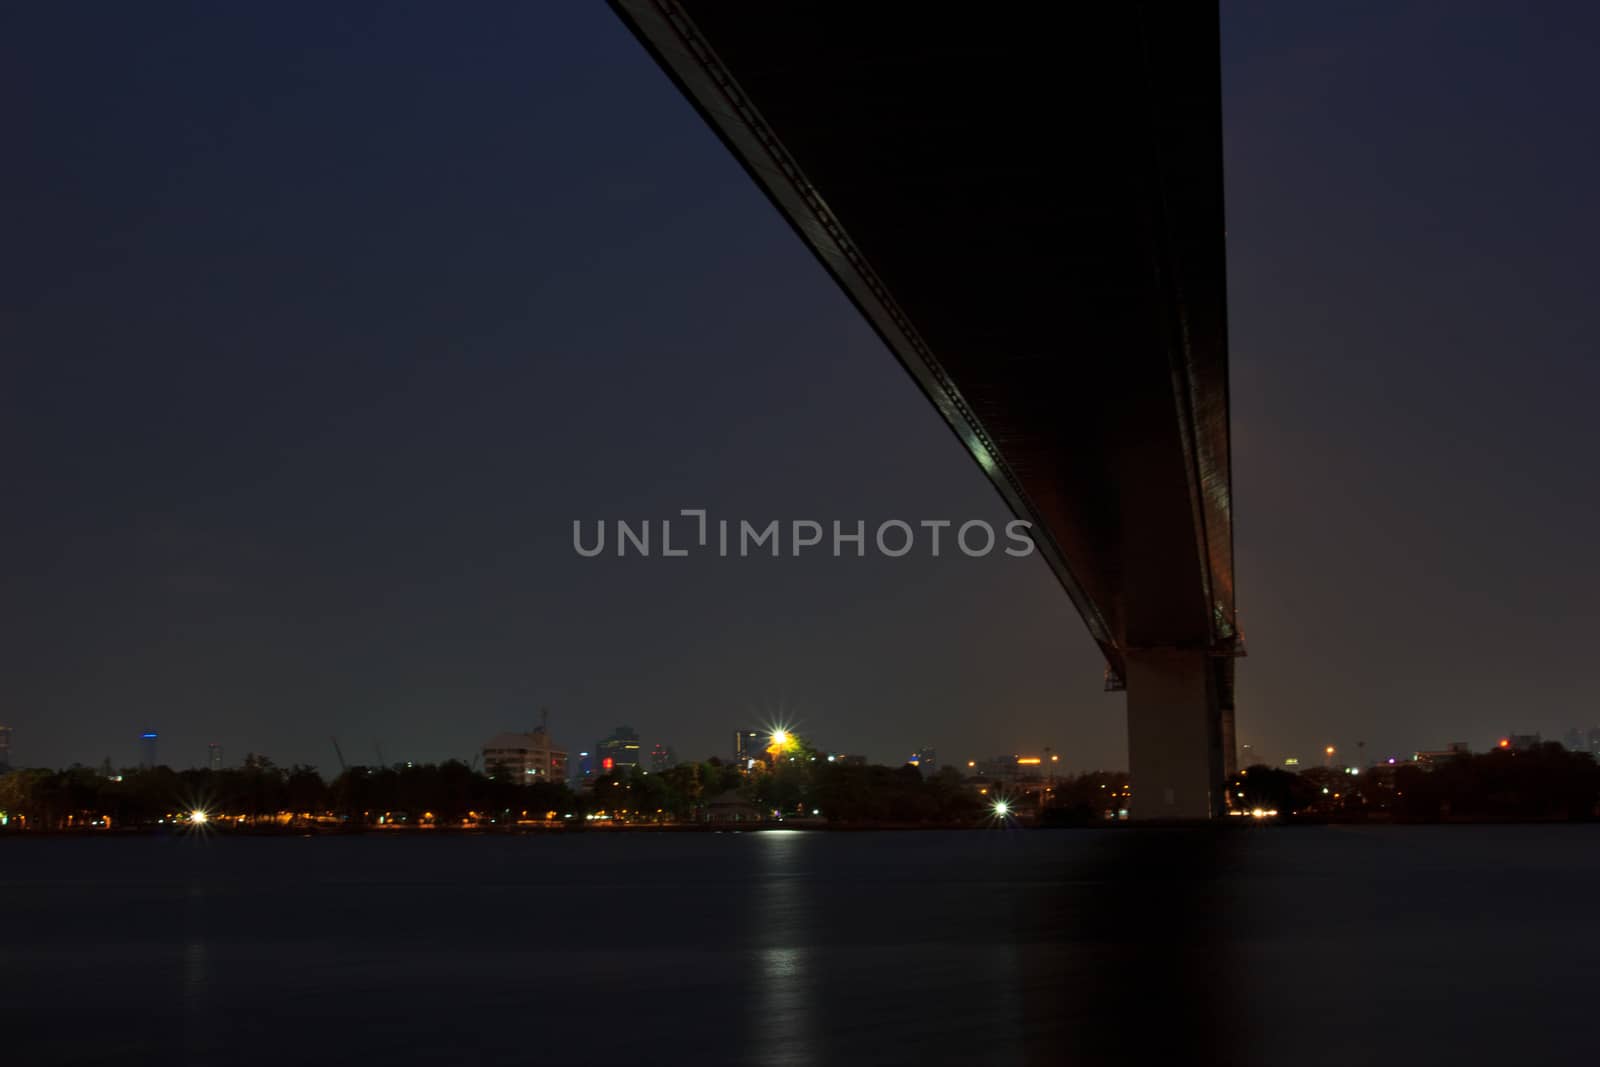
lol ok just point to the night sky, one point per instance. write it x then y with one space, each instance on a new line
321 324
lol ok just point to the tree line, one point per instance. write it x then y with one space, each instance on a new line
452 793
1545 782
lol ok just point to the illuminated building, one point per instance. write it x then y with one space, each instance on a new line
1429 760
214 757
147 748
1012 768
530 757
619 750
748 746
662 758
995 768
926 759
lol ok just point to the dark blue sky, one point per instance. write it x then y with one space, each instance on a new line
321 325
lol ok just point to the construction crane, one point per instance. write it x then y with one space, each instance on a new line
336 752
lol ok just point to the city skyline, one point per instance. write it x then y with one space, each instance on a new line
646 746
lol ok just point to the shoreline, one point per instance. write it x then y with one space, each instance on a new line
756 828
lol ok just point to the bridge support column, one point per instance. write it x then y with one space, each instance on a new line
1175 742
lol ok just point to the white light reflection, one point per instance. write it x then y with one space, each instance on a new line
786 1013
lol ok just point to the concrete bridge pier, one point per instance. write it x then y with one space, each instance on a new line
1176 725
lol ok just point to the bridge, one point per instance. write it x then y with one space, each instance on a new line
1025 202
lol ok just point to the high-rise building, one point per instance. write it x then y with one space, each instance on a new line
5 749
618 750
526 758
147 749
214 757
748 747
662 758
926 759
1584 740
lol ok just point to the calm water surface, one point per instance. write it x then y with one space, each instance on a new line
1264 945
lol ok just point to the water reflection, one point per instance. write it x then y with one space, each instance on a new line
1005 948
785 1012
196 976
987 948
1126 951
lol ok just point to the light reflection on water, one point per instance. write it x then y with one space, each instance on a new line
805 948
784 1007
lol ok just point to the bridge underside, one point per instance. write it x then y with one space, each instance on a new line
1026 203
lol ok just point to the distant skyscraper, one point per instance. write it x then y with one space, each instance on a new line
662 758
5 749
926 759
214 757
619 750
1584 740
147 748
748 746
